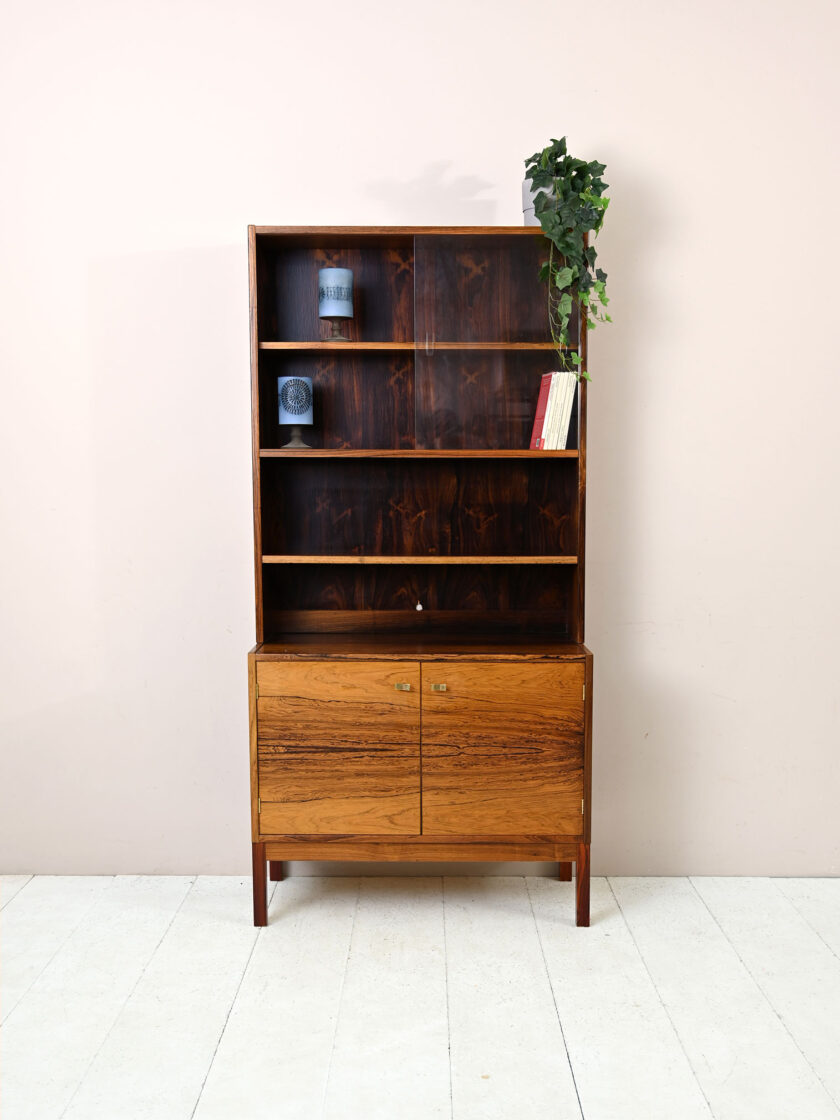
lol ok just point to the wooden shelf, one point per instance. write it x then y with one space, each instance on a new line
425 349
410 453
356 559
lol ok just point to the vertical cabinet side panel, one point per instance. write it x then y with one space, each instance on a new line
253 304
252 730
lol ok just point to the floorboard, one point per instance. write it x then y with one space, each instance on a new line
38 921
794 968
818 901
273 1058
626 1055
391 1052
507 1048
743 1057
10 885
56 1030
154 1061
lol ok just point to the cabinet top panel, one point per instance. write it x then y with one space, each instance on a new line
312 235
400 647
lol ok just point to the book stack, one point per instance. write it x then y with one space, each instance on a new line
552 421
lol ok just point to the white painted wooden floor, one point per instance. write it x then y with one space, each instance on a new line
472 998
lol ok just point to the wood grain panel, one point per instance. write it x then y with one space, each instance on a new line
503 748
420 507
489 706
336 704
520 791
457 599
383 290
366 791
344 385
474 288
479 399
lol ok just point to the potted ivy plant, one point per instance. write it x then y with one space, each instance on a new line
569 203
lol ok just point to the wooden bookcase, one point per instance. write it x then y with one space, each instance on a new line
419 689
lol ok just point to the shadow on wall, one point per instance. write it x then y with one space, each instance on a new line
641 800
435 195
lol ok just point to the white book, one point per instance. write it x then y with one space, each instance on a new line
568 405
550 411
553 443
568 398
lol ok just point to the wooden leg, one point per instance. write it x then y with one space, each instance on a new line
564 872
582 884
275 870
260 908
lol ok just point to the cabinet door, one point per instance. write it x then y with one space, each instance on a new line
503 748
338 747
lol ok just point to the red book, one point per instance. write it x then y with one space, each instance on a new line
537 439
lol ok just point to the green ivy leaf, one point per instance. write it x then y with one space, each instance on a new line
563 277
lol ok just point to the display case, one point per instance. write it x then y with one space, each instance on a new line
418 535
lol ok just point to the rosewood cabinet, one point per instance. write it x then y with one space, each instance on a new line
419 689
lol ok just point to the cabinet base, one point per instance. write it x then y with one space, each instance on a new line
297 849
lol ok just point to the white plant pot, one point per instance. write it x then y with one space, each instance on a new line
528 193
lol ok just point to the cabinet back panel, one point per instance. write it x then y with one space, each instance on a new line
480 399
359 400
476 288
383 291
455 598
420 507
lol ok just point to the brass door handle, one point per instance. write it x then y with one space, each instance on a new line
438 688
402 686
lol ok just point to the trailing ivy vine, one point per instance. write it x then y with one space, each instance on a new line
569 204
